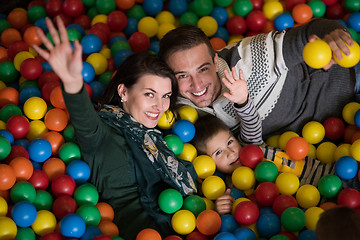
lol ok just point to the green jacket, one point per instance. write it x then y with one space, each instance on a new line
112 168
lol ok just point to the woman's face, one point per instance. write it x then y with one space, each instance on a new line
147 100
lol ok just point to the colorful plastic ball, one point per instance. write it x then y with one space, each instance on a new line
139 42
170 200
213 187
268 225
244 233
31 68
208 222
73 8
287 183
225 236
8 228
35 108
63 185
195 204
7 134
153 7
23 191
266 193
106 211
285 137
39 150
25 233
7 177
148 233
31 37
189 153
184 129
355 150
86 193
208 25
39 180
24 214
56 119
293 219
174 143
79 171
349 197
63 205
246 213
236 25
354 21
350 60
342 150
172 237
272 9
28 92
220 15
90 213
266 171
251 155
255 20
5 147
325 152
297 148
165 17
177 7
91 43
183 222
149 26
9 110
348 112
204 166
317 54
302 13
3 206
117 21
18 126
72 225
329 185
346 168
17 18
164 28
120 56
318 8
312 216
242 7
334 128
8 72
105 7
283 202
37 130
313 132
217 43
109 228
43 200
308 196
98 61
189 18
243 178
9 36
91 232
228 223
283 21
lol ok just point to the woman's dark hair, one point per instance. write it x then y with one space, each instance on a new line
206 127
182 38
131 70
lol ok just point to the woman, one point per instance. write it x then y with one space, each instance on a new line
129 159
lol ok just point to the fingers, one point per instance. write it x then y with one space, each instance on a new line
41 52
78 50
62 30
53 32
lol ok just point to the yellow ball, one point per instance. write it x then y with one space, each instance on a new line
188 113
167 120
312 151
208 25
2 125
325 152
106 52
350 60
317 54
342 150
349 111
307 196
2 85
45 223
285 137
37 130
236 202
210 205
8 229
149 26
189 153
165 17
313 132
243 178
3 207
272 9
287 183
312 217
355 150
183 222
204 166
98 61
35 108
213 187
273 141
100 18
235 38
164 28
20 57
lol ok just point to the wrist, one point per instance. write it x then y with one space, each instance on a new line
240 105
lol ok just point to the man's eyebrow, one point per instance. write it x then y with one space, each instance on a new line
201 66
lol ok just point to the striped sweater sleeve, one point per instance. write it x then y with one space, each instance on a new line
250 124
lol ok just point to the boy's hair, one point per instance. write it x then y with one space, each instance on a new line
206 127
338 223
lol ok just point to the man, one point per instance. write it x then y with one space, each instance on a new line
287 93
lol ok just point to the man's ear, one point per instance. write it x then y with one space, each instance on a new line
122 91
216 62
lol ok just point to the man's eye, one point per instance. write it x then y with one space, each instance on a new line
204 69
183 76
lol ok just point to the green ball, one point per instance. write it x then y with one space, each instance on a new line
69 151
5 148
105 6
329 185
119 45
43 200
23 191
242 7
352 5
170 200
90 213
293 219
86 193
201 7
36 12
266 171
74 35
174 143
354 34
9 110
194 204
136 11
8 72
88 3
69 133
223 3
279 237
4 24
25 234
117 238
189 18
318 8
92 12
105 78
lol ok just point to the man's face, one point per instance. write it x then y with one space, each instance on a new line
196 73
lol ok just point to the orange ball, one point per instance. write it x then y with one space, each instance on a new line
31 37
55 139
125 4
7 177
56 119
22 167
269 26
18 18
9 36
108 228
54 167
9 95
297 148
148 233
56 98
208 222
328 205
106 211
3 54
5 194
217 43
302 13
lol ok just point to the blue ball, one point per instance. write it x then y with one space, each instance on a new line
24 214
131 26
354 21
154 46
177 7
91 232
268 225
116 38
357 118
91 43
228 223
27 93
153 7
283 21
225 236
265 210
184 129
346 167
77 27
307 235
236 193
79 170
220 15
39 150
6 134
88 72
41 24
120 56
72 226
46 67
97 88
222 33
244 233
22 142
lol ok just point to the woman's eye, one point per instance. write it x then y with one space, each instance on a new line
167 95
149 94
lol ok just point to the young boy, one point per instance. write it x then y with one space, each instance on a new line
214 138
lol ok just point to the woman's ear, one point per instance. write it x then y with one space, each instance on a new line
122 91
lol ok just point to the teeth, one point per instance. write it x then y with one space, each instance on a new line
152 114
199 93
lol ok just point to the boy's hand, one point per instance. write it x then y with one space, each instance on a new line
223 204
238 90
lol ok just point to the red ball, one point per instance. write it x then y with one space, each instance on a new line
31 68
139 42
73 8
335 11
117 21
84 21
246 213
63 185
47 88
255 20
290 4
334 128
65 18
17 151
251 155
266 193
196 235
283 202
173 237
89 90
349 197
63 205
54 7
39 180
100 33
16 47
52 236
257 4
329 2
18 126
297 148
236 25
103 237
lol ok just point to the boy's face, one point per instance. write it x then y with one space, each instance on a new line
225 150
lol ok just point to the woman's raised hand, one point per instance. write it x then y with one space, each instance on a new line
66 62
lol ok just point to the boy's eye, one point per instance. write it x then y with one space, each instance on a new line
217 153
230 141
